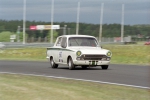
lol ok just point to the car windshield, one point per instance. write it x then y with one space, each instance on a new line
82 41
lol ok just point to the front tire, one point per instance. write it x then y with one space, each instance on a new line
104 67
70 64
52 63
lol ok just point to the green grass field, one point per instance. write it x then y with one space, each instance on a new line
122 54
130 54
19 87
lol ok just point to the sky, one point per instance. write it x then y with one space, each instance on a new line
135 11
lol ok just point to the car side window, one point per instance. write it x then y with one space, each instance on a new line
64 42
58 42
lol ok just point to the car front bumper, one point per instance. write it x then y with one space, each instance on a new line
91 63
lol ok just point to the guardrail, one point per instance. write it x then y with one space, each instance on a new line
20 45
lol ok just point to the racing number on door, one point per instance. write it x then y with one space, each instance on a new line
60 56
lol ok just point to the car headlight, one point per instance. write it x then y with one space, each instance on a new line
109 54
78 53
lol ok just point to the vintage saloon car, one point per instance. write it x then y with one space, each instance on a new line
78 50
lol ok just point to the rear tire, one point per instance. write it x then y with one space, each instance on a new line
52 63
104 67
70 64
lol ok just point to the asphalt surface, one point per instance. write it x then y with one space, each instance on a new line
137 75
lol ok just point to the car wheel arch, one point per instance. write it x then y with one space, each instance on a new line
70 63
51 57
68 58
52 62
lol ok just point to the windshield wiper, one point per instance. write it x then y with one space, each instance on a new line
77 42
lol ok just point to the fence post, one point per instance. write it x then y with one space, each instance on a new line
39 39
45 39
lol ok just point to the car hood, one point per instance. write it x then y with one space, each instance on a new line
91 50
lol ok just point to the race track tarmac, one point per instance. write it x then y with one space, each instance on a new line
137 75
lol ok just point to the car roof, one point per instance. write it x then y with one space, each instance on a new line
77 36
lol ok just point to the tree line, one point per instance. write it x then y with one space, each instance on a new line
109 30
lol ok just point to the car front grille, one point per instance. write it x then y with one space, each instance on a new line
93 57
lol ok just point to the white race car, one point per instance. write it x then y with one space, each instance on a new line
78 50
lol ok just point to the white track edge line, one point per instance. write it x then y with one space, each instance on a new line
102 82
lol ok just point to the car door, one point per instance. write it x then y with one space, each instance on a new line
63 51
57 50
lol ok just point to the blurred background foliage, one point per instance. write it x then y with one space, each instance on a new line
10 27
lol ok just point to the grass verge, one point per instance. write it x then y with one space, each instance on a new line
122 54
130 54
19 87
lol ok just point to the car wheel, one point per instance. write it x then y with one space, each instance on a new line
104 66
70 64
52 63
84 67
